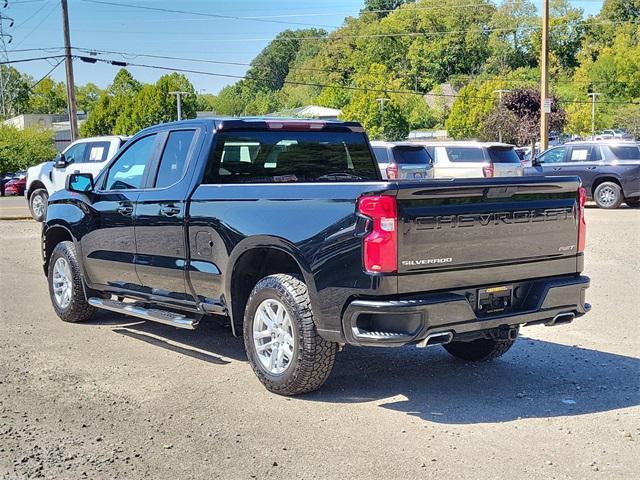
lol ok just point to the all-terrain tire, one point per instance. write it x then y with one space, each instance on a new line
38 204
78 309
313 356
608 195
479 350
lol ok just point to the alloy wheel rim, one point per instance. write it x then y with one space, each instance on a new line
273 337
62 283
38 205
607 196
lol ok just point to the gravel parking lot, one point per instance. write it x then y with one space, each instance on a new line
120 398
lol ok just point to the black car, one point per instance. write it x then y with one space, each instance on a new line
610 170
287 228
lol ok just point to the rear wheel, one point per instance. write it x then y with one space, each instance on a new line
633 202
608 195
65 285
38 204
479 350
281 340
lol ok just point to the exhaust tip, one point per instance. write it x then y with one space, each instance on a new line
439 338
561 319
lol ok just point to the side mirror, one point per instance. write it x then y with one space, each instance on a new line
61 161
536 161
80 183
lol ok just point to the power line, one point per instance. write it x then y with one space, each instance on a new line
202 14
46 75
47 16
310 84
34 59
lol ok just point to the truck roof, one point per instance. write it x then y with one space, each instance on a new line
266 123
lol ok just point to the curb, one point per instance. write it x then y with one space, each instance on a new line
15 217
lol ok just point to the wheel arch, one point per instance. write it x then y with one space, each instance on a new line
52 235
605 178
35 185
255 258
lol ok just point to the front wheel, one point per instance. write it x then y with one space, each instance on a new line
479 350
282 343
608 195
38 204
65 285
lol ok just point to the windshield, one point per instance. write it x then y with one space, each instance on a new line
409 155
503 155
282 156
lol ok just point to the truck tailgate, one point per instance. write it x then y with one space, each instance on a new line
469 224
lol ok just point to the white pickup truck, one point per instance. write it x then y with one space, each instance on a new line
87 155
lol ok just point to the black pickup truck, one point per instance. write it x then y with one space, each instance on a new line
286 227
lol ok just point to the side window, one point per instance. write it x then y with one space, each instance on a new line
465 154
432 152
596 154
128 170
174 157
555 155
75 154
98 151
580 154
381 154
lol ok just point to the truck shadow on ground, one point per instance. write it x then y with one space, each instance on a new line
535 379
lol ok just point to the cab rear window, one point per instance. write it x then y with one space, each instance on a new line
503 155
407 155
282 156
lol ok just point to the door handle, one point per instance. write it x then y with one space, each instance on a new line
557 169
169 210
591 168
125 209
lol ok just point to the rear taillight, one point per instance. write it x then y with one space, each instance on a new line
582 225
487 171
381 244
392 171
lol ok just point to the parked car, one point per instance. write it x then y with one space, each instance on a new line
402 160
609 170
617 133
306 248
16 185
473 159
5 178
87 155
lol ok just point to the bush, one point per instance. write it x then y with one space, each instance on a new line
19 149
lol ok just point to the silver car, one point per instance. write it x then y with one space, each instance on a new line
402 160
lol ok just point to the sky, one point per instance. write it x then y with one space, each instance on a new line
99 26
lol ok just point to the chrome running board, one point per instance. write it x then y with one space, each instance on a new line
154 315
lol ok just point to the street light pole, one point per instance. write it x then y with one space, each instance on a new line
593 113
179 102
500 92
381 102
544 78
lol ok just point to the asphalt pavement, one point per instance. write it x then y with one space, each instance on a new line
122 398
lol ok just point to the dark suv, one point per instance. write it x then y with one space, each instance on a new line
610 171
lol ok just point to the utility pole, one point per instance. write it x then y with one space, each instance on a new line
500 92
179 102
5 101
593 113
381 102
71 93
544 78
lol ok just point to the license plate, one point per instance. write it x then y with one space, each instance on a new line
417 175
495 299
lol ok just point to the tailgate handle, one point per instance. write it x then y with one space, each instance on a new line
501 192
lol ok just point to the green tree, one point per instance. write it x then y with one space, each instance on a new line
110 105
365 108
47 97
87 96
20 149
16 93
380 7
471 108
154 104
628 117
621 10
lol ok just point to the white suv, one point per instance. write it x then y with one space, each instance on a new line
87 155
473 159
